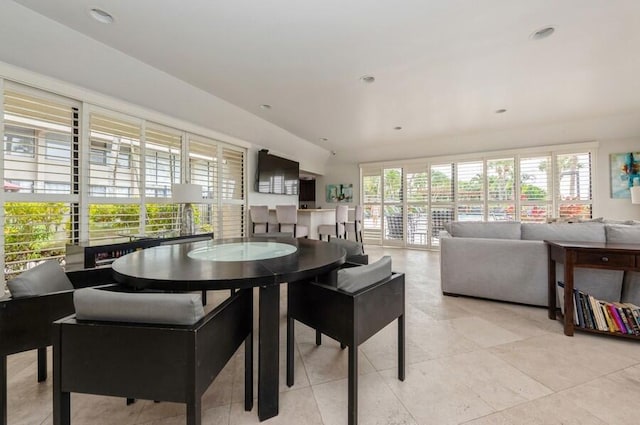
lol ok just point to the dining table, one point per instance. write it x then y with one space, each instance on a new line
238 264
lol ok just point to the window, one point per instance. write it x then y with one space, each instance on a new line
57 146
535 189
19 141
527 187
115 156
98 152
55 187
574 185
470 190
500 189
220 169
162 160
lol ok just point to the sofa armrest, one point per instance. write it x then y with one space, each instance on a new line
502 269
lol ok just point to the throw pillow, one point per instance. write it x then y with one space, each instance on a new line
44 278
355 278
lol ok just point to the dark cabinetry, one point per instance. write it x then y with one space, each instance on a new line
308 190
102 255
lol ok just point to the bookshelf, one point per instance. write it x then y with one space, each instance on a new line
596 255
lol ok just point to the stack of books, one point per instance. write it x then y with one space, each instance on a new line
592 313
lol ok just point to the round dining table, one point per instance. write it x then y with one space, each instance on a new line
237 263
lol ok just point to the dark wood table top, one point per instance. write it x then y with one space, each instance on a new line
169 267
595 245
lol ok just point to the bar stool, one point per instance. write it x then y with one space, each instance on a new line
259 217
338 230
355 226
287 217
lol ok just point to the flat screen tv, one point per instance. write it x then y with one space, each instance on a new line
277 175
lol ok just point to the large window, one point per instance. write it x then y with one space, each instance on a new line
73 175
40 173
410 204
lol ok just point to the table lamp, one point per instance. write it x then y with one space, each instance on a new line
635 194
186 193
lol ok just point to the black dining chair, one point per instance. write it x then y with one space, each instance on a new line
365 300
39 296
154 346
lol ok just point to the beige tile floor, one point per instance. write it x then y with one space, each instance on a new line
470 361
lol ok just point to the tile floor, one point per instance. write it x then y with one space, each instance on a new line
469 362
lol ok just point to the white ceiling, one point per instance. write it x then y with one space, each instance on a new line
442 67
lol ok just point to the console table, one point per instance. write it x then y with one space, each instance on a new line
595 255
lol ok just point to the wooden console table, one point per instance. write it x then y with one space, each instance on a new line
594 255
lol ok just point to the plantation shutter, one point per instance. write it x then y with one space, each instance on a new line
574 191
535 189
40 171
114 175
232 192
163 167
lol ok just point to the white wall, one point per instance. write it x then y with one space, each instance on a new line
336 173
604 205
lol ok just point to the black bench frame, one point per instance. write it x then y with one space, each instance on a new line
152 362
25 324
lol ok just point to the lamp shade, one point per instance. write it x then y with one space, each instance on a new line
186 193
635 194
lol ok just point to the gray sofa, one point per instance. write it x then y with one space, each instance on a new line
508 260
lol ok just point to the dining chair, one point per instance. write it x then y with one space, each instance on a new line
354 251
287 218
355 226
259 218
39 296
365 300
154 346
338 229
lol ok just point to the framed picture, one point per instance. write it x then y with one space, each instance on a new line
340 192
625 170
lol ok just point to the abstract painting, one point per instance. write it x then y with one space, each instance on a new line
625 172
340 192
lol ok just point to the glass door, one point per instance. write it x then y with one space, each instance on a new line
392 206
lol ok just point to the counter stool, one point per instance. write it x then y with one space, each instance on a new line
338 229
355 226
259 217
287 217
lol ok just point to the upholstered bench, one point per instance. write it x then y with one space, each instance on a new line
39 296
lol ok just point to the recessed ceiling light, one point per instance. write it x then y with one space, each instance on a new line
397 127
542 33
500 111
324 139
368 79
101 16
265 106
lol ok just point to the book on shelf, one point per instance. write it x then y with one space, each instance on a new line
592 313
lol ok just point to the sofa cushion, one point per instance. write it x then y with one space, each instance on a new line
44 278
160 308
355 278
583 232
631 282
478 229
622 234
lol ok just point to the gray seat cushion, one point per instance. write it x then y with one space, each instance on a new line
44 278
473 229
583 232
356 278
352 247
158 308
